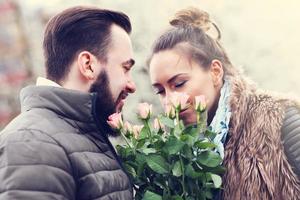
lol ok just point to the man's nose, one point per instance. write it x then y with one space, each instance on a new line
130 86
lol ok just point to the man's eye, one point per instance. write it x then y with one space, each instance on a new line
177 85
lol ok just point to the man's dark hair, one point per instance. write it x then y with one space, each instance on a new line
78 29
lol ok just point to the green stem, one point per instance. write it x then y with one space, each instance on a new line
202 120
126 140
168 188
146 123
198 117
177 115
183 176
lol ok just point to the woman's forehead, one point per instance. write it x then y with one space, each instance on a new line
165 65
170 59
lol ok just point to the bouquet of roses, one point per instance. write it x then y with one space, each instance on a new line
166 159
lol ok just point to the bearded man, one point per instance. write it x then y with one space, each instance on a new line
58 147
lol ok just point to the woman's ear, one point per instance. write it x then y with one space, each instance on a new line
86 65
217 72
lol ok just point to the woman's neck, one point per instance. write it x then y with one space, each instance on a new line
213 109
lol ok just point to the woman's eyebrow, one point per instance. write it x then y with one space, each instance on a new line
175 77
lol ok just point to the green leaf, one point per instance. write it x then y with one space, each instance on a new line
190 172
144 133
208 194
158 144
201 195
167 121
140 158
140 143
187 152
173 145
209 159
177 169
205 145
216 170
158 164
217 180
151 196
210 134
148 150
177 130
126 153
174 184
193 131
130 170
177 197
140 169
188 139
140 162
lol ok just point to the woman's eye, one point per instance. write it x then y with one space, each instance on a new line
159 91
177 85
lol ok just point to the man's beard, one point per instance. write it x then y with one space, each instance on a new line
105 104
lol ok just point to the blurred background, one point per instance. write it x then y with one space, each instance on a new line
262 37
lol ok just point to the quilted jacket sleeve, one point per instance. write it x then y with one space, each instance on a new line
291 137
33 166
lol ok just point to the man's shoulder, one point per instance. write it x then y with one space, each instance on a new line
36 125
18 132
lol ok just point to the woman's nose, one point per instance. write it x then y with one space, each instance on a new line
166 100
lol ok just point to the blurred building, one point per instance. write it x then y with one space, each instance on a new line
15 65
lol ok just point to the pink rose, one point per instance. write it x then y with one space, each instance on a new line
200 103
170 111
127 127
115 121
179 100
136 129
144 110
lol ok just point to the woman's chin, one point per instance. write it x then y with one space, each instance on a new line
189 122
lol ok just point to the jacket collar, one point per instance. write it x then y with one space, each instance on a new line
74 106
46 82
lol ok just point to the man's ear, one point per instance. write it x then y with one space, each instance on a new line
87 65
217 72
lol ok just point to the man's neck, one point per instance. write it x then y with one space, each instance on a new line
46 82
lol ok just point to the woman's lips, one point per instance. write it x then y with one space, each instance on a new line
183 112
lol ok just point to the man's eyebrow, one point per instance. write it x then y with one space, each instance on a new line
129 62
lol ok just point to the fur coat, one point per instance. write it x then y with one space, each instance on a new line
256 165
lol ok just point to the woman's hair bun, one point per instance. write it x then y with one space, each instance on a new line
196 18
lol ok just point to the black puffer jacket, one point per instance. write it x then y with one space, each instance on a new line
54 150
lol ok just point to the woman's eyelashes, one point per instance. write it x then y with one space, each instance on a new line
159 91
179 84
175 86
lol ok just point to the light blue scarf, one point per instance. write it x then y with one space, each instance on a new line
220 122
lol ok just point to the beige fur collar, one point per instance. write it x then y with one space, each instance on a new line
257 167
